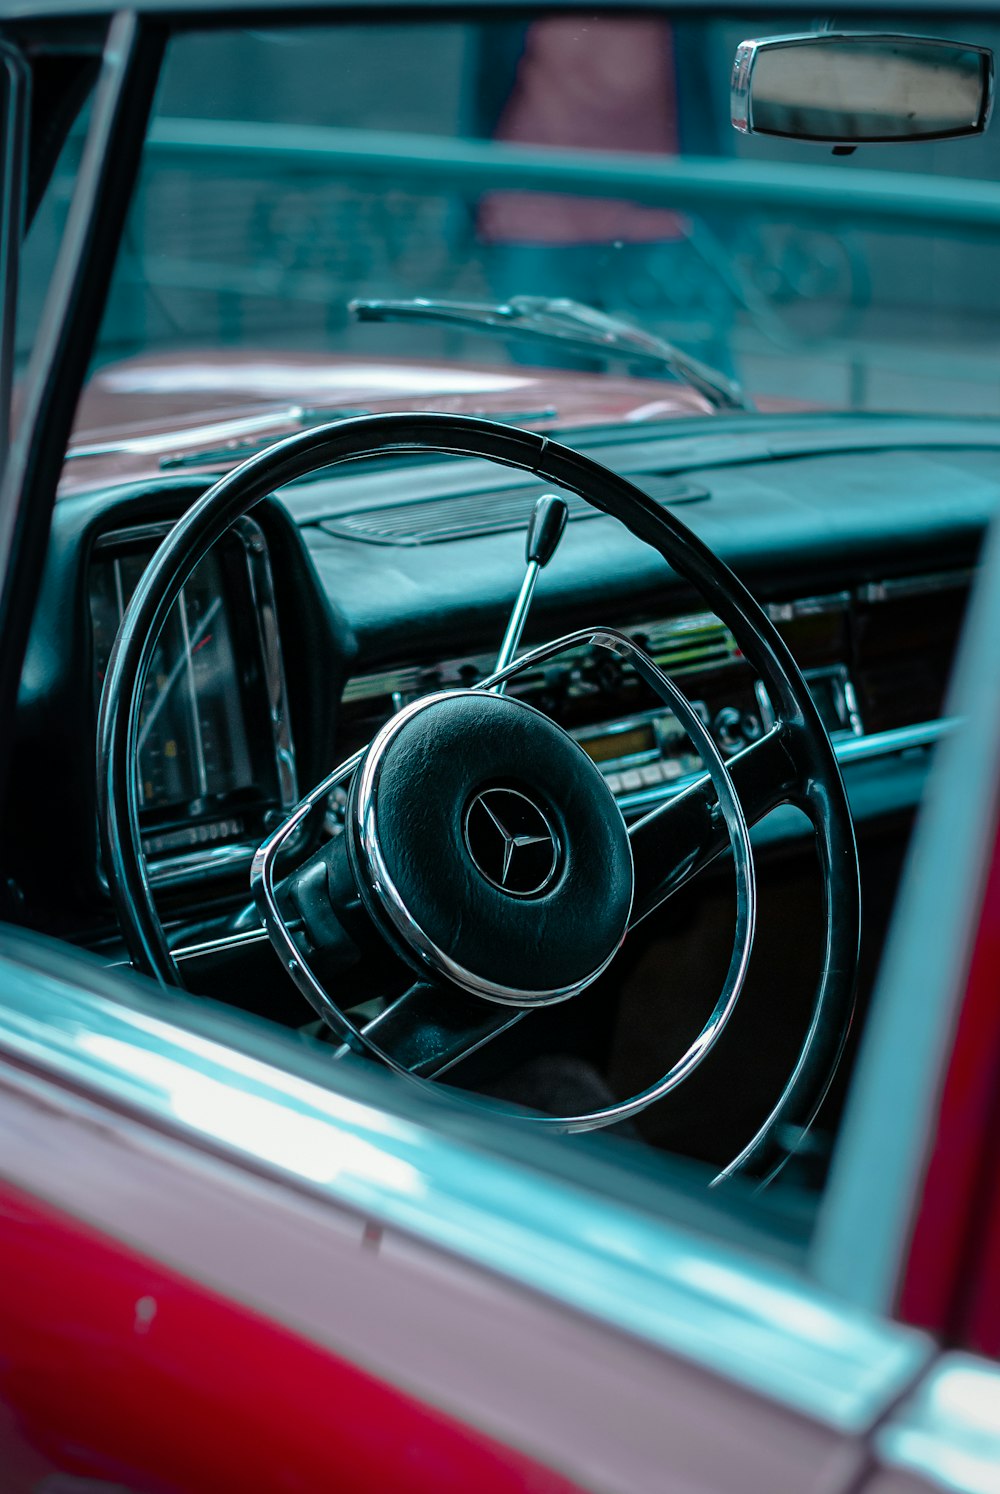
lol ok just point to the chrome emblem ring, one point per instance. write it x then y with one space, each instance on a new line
511 842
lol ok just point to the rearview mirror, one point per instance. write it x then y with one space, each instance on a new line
850 89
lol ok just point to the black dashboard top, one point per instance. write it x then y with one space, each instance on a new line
788 524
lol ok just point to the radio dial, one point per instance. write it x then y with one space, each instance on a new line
734 728
728 728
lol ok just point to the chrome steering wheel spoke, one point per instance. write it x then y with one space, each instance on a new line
436 1023
681 837
428 1030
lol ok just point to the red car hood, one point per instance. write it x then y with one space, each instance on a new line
141 417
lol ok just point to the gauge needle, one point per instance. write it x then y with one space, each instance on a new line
176 671
189 647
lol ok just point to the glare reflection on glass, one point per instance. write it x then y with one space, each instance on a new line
800 1316
306 1145
339 1106
951 1431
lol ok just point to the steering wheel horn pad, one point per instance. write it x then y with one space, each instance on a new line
489 850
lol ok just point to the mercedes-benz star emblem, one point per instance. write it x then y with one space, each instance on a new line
511 842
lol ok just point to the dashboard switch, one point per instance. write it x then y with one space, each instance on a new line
728 729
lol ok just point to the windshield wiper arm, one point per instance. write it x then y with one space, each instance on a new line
570 324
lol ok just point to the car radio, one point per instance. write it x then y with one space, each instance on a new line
639 745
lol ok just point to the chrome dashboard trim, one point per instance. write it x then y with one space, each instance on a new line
206 947
196 866
381 1150
919 737
834 601
848 749
705 643
897 588
897 739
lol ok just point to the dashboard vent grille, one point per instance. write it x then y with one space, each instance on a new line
687 644
435 521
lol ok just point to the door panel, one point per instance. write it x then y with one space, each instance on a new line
508 1304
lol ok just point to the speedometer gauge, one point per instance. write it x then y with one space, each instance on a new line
207 757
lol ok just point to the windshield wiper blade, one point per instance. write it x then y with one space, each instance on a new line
571 325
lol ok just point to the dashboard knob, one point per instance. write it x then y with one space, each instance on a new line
728 728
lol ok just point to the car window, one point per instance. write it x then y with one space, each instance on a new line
44 235
265 205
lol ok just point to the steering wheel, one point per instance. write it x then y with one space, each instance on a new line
485 868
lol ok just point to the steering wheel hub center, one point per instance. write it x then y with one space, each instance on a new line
489 849
511 841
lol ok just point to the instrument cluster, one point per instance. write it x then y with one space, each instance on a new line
215 751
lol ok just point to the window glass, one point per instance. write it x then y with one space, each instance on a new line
254 225
41 245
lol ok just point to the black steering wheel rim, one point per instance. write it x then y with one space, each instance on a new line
820 791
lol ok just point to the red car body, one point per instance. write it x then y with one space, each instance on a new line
138 414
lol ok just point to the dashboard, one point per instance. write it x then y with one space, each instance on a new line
342 599
876 658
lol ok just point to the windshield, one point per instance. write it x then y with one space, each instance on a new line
288 173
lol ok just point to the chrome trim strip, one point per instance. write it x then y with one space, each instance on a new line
948 1431
705 643
220 945
755 1323
205 947
898 739
834 601
854 749
192 866
897 588
218 431
847 750
663 633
